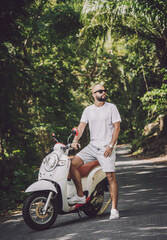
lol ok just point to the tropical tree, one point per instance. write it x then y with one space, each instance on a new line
146 19
38 42
135 31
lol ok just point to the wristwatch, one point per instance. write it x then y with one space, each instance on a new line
110 145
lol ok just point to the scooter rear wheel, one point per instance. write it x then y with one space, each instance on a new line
32 211
92 208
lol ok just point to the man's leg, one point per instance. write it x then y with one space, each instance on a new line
113 188
75 175
77 161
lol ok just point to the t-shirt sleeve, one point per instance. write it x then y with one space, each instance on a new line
115 115
84 117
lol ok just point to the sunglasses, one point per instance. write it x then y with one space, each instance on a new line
101 91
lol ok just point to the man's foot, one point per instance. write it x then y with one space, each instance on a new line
77 199
114 214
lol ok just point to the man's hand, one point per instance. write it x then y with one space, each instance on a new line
75 145
108 151
80 128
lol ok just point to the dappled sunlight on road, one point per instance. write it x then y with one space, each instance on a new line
142 206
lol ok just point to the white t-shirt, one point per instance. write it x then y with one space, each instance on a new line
100 120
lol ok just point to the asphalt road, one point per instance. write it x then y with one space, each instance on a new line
142 206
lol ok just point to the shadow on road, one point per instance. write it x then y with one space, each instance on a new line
142 206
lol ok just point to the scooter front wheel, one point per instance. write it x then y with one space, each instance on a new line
33 211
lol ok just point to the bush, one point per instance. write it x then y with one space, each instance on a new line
155 101
15 179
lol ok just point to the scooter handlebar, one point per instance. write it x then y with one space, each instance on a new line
68 146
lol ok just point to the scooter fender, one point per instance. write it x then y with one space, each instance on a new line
41 185
95 177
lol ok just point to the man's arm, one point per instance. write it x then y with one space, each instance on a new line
115 135
81 128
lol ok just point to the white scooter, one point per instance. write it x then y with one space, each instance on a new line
54 187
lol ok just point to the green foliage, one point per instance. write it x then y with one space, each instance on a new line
15 178
37 80
155 101
36 64
134 31
146 19
63 20
53 52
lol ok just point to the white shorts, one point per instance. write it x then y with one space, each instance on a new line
91 153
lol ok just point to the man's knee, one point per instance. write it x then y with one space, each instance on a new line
111 177
76 162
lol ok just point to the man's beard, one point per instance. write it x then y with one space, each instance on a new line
101 99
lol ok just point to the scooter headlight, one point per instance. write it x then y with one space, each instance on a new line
51 161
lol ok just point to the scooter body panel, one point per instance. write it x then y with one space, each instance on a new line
63 186
88 183
41 185
71 189
59 173
94 178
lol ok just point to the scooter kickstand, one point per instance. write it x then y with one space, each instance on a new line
80 213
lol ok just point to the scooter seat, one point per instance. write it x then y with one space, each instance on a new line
85 169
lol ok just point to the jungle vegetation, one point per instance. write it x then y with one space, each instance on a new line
52 53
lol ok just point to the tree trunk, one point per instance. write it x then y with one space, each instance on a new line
161 45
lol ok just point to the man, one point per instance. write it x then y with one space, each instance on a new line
104 125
